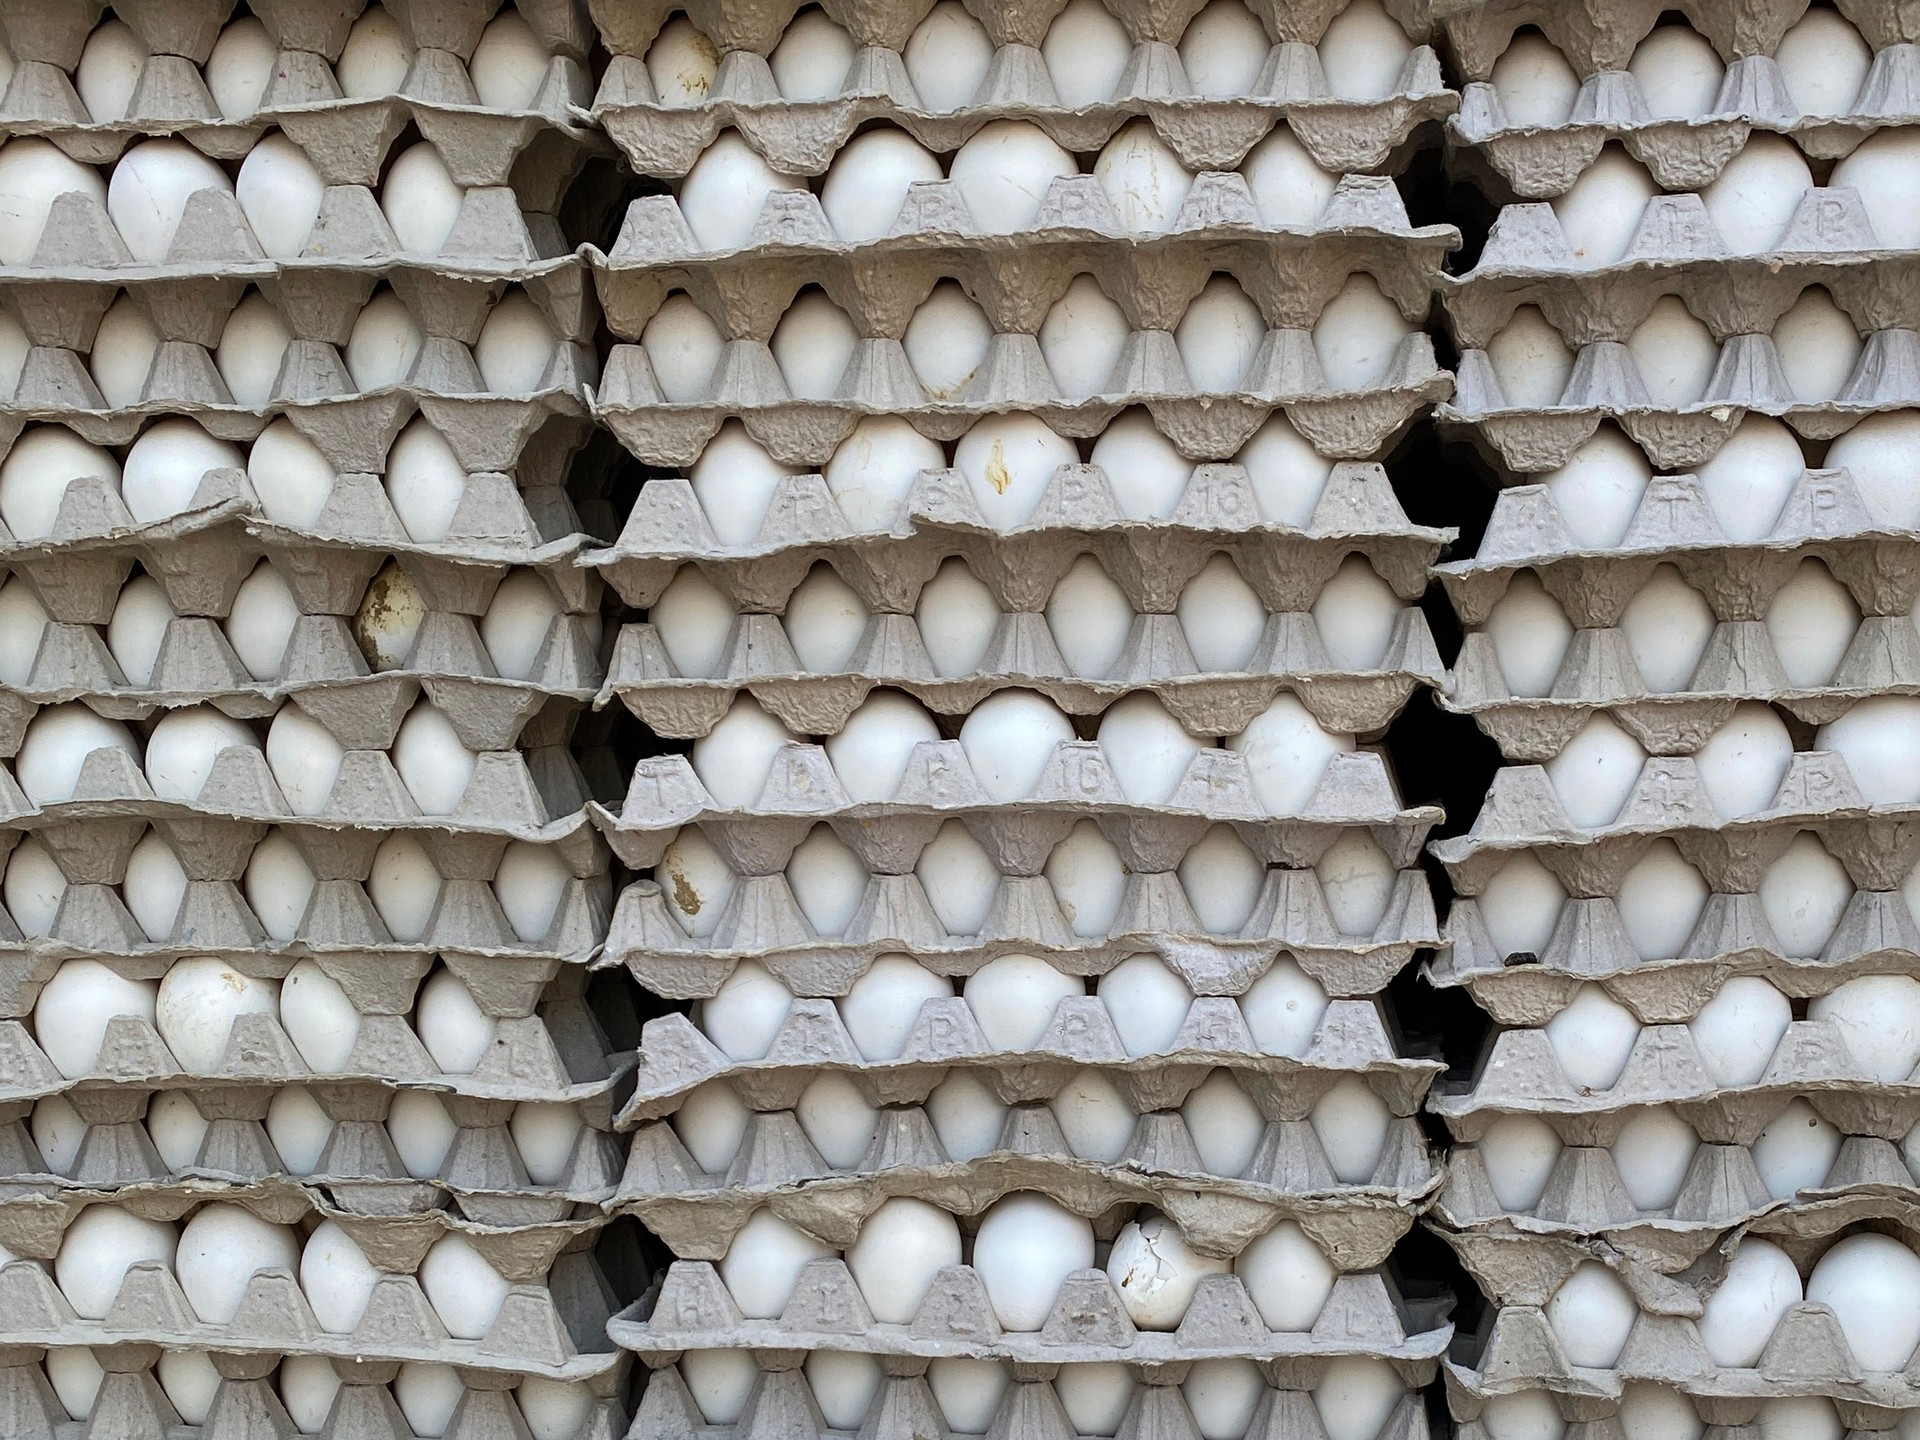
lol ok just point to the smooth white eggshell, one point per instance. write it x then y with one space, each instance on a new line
1674 353
812 345
261 623
1796 1150
138 628
1591 1313
947 341
843 1385
554 1409
165 465
1143 178
1013 998
1536 85
1287 1276
220 1249
76 1378
425 481
1356 612
871 471
1737 1031
123 349
1803 894
837 1119
1799 1417
149 190
1592 1037
1760 1285
869 181
1288 474
1678 73
900 1248
1095 1395
1351 1122
509 64
1882 170
56 745
1086 52
434 766
545 1135
1818 345
957 616
289 474
1287 752
1005 171
1089 880
947 57
968 1392
189 1380
1094 1116
882 1006
683 346
177 1128
33 887
825 620
308 1384
1090 618
1223 50
517 623
305 760
1009 738
298 1128
38 468
420 199
762 1265
967 1116
428 1395
97 1250
1668 625
1289 188
1811 621
720 1382
1148 1003
1879 1018
1227 1127
1652 1154
376 57
1518 1152
1656 1412
422 1132
336 1277
746 1012
1221 615
1223 880
57 1131
383 344
280 193
1749 478
278 883
1744 761
1147 473
1082 339
1530 634
1008 462
318 1017
1601 211
515 347
734 758
1363 51
1881 453
1524 1415
1530 359
453 1027
1661 899
1026 1246
1356 1395
530 883
1148 750
1357 879
1878 740
404 886
465 1291
241 66
695 881
1823 62
682 64
33 174
694 620
812 58
1595 771
23 624
109 71
1358 334
1223 1396
1157 1272
200 998
724 192
1872 1283
734 480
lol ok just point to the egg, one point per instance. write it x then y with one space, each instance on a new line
199 1000
420 199
1795 1151
843 1384
1004 172
138 628
1095 1395
1817 346
1653 1154
1026 1246
872 470
1872 1283
39 467
1660 900
966 1115
428 1395
1090 618
23 624
1358 334
1357 879
1678 73
1223 1396
280 193
1596 770
682 64
57 1131
946 342
422 1132
1676 356
901 1248
165 466
1288 474
456 1031
33 174
1881 169
1009 738
947 57
518 620
260 626
1148 1003
968 1392
1800 1417
1531 361
278 883
1223 50
122 354
290 476
319 1018
98 1249
425 481
336 1278
76 1378
1150 751
1089 880
1651 1411
1878 1016
1744 761
1147 473
1289 188
1157 1272
694 621
1875 738
190 1381
1351 1122
55 748
305 760
812 59
882 1006
1601 211
734 480
1356 612
298 1128
825 621
1221 617
1363 52
183 747
1143 178
762 1265
838 1120
812 345
178 1129
734 758
695 882
376 57
1287 1276
959 877
1823 62
1523 1415
683 346
1013 997
720 1382
13 351
1803 895
1668 626
1530 634
1008 462
746 1012
308 1384
384 343
1094 1116
220 1250
869 181
724 192
554 1409
1356 1395
530 883
1759 1287
1535 84
404 886
545 1134
1881 454
515 347
240 67
434 766
509 64
465 1291
1738 1030
828 881
1756 195
1227 1127
1519 1153
1086 52
149 189
1592 1038
109 71
1287 752
1082 338
711 1122
1591 1314
1222 879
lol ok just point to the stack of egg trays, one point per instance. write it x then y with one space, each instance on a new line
516 512
1016 278
1669 1259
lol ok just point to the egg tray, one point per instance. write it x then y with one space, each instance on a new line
689 1308
1606 385
1206 132
1677 250
1151 560
675 1058
556 1332
1601 1414
783 1404
762 922
697 1215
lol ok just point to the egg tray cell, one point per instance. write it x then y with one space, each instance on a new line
689 1308
1151 560
1207 133
697 1215
1606 385
762 922
557 1332
675 1058
1528 260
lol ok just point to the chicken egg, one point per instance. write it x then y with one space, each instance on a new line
1877 740
812 59
1818 347
1872 1283
1530 634
960 879
155 886
138 628
1086 52
956 615
1655 1149
1009 738
376 58
23 624
1289 188
545 1134
337 1278
13 351
122 354
428 1395
1358 334
220 1250
384 343
199 999
1759 1287
39 467
734 758
1026 1246
1678 73
260 626
1668 626
947 57
745 1014
308 1384
1148 1003
1531 360
280 193
1879 1018
1221 616
1223 50
1094 1117
298 1128
57 1131
1596 770
240 67
825 620
1753 198
968 1392
1147 473
1591 1314
1227 1127
1223 1396
1287 752
1288 474
1090 618
946 342
1675 354
837 1119
1082 338
177 1128
966 1115
1519 1153
1823 62
165 466
843 1386
1356 612
1222 879
869 181
1592 1038
55 749
554 1409
724 192
1356 1395
1287 1276
1095 1395
422 1132
1803 895
76 1378
1660 900
149 190
509 64
1737 1031
1144 179
813 345
98 1249
720 1382
1744 761
762 1265
1601 211
190 1382
518 620
515 347
900 1249
883 1005
434 766
319 1018
694 621
1157 1272
1089 880
1881 169
873 469
1005 171
290 475
420 199
871 752
530 884
683 346
734 480
33 174
1795 1151
425 481
278 885
305 760
404 886
456 1031
1536 86
1351 1122
1013 997
695 882
682 64
1881 453
109 71
1357 879
1653 1412
1523 1415
1363 52
1149 750
466 1292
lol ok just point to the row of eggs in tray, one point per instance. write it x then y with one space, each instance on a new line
511 353
1654 1412
1082 339
506 67
1223 50
427 1395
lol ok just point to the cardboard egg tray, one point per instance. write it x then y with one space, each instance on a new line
1603 1412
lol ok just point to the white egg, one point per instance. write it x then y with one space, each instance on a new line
872 470
682 64
1824 62
1799 1417
825 620
308 1384
280 193
1287 752
1661 899
1530 635
319 1018
1356 612
1817 344
1876 739
882 1006
1223 50
1601 210
1879 1018
509 64
240 67
1744 761
466 1292
957 616
1090 618
76 1378
337 1278
1157 1272
260 625
695 882
57 742
725 190
1738 1029
1759 1287
1882 171
190 1381
1668 625
1872 1283
683 346
1519 1153
1358 334
1287 1276
428 1395
837 1119
530 883
109 71
812 345
1653 1412
1523 1415
1288 474
33 174
138 628
734 758
1013 997
1143 178
290 475
734 480
1148 1003
1882 453
123 351
97 1250
298 1128
515 346
1595 771
545 1134
57 1131
149 190
711 1122
1095 1395
456 1031
1357 878
762 1265
812 59
404 886
720 1381
166 464
1223 880
869 181
1363 52
384 343
1796 1150
376 57
1150 751
178 1129
1356 1395
959 877
694 621
1223 1396
13 351
305 760
746 1012
843 1384
220 1250
1678 73
1086 51
1005 171
1009 738
1747 482
900 1248
420 199
554 1409
39 467
1675 355
968 1392
1025 1248
1592 1038
1221 616
1227 1127
1530 360
1008 462
433 764
1147 473
1536 85
425 481
278 883
1094 1117
1082 339
946 342
1652 1154
947 57
518 620
199 1000
1351 1122
1803 895
1089 880
422 1132
23 624
34 887
1753 198
1289 188
967 1116
1591 1313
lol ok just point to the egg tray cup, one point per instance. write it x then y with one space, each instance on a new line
763 922
1606 385
689 1308
1151 560
1676 250
1206 132
697 1215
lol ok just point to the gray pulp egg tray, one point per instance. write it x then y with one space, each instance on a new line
689 1308
1606 384
697 1214
1206 132
1151 560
